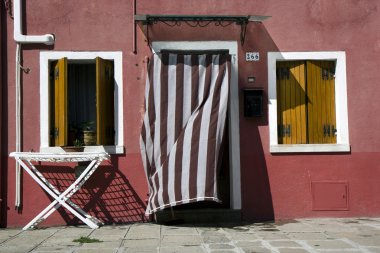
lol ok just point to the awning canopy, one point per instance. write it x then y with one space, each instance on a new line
238 19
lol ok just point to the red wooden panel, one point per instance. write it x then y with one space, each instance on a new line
329 195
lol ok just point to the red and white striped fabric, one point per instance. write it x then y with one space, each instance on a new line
186 105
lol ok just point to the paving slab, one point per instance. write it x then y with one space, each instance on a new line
119 232
192 249
284 244
171 230
145 231
299 236
249 244
307 236
53 249
99 250
16 249
64 242
366 241
272 235
180 240
256 250
220 246
373 249
108 238
142 244
5 234
135 250
293 250
330 244
102 244
243 236
215 239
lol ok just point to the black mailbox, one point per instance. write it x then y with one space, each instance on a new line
253 102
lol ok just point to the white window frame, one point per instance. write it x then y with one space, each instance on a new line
45 58
234 136
342 144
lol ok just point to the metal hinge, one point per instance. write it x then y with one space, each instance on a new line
284 130
56 133
328 74
283 73
56 74
108 73
329 130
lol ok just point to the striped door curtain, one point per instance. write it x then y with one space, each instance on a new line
185 113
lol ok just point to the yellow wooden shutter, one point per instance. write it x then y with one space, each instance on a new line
321 101
105 102
330 101
291 106
59 130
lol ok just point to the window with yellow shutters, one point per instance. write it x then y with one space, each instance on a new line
306 102
82 102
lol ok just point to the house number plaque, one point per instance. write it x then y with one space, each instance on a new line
252 56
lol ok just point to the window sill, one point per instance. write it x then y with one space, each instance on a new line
309 148
108 149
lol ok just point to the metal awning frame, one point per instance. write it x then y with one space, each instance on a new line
201 21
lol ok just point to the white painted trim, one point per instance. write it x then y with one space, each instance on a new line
340 101
108 149
234 135
48 56
305 148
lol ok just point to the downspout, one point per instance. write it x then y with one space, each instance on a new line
1 119
20 39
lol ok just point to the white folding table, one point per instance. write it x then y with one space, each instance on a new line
25 159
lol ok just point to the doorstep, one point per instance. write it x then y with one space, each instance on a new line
196 216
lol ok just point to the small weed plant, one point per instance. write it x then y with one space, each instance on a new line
85 239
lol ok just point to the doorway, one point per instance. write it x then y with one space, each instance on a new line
232 122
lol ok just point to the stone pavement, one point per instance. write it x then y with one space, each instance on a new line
303 235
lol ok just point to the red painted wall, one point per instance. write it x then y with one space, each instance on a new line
273 186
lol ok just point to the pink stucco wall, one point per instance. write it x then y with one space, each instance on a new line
273 186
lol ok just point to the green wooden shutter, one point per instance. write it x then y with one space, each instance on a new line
321 101
105 102
291 105
59 119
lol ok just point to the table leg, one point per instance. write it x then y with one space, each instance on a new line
60 199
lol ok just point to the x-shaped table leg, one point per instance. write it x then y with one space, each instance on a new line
60 199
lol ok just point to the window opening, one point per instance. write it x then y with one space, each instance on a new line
81 103
306 102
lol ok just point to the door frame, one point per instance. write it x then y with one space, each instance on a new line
234 130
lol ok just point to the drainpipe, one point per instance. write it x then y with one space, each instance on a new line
1 119
20 39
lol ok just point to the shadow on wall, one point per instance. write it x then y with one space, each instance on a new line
257 203
107 195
